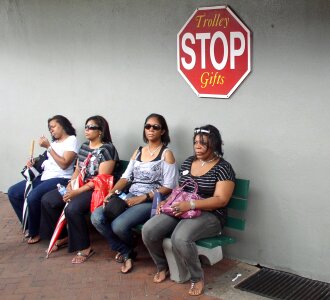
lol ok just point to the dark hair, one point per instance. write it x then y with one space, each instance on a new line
104 127
165 137
65 123
215 140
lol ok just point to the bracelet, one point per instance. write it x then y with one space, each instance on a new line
192 205
49 149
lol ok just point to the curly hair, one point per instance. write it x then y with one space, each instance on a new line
64 122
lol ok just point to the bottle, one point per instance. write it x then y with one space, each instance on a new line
61 189
156 200
121 194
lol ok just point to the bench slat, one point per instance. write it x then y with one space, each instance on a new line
241 189
235 223
237 203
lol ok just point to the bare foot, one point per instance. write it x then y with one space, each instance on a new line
196 288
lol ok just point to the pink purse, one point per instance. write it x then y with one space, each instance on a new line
179 195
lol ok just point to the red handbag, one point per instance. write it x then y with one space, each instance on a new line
179 195
103 183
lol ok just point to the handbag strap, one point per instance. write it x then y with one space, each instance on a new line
190 180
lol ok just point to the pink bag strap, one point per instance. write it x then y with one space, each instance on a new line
190 180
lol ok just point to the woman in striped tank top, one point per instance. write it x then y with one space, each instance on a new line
215 178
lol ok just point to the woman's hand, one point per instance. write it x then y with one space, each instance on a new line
30 163
180 207
69 195
43 142
135 200
106 199
159 207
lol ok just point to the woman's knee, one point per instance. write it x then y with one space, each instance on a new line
15 191
120 227
71 211
97 217
180 242
149 233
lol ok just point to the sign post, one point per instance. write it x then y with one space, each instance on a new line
214 52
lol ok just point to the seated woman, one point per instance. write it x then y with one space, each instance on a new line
57 169
215 178
151 168
102 161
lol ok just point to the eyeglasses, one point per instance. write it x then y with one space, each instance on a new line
92 127
200 130
155 127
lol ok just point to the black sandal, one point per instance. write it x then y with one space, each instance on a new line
119 258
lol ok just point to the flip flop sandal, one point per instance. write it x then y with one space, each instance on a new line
33 240
58 247
81 257
193 291
157 276
119 258
124 266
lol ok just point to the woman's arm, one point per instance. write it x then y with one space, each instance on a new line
105 167
221 196
63 161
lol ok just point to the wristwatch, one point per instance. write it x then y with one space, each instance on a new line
49 149
148 197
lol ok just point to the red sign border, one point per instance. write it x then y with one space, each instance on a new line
248 49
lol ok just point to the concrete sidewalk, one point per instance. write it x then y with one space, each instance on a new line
26 274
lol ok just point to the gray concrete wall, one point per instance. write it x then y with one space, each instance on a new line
118 59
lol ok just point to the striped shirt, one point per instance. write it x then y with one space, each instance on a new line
105 153
206 183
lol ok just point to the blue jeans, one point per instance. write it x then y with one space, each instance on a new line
119 232
16 198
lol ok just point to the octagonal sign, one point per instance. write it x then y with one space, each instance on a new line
214 52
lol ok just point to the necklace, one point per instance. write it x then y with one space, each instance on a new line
153 151
207 161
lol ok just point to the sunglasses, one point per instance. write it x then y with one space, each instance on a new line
155 127
200 130
92 127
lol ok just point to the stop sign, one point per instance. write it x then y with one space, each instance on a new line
214 51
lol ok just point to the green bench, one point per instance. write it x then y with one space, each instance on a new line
237 205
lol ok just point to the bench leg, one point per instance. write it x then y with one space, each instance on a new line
210 256
178 270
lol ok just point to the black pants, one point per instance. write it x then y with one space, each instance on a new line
75 213
52 205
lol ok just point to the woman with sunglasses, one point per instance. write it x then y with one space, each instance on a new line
215 178
151 168
57 169
99 156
